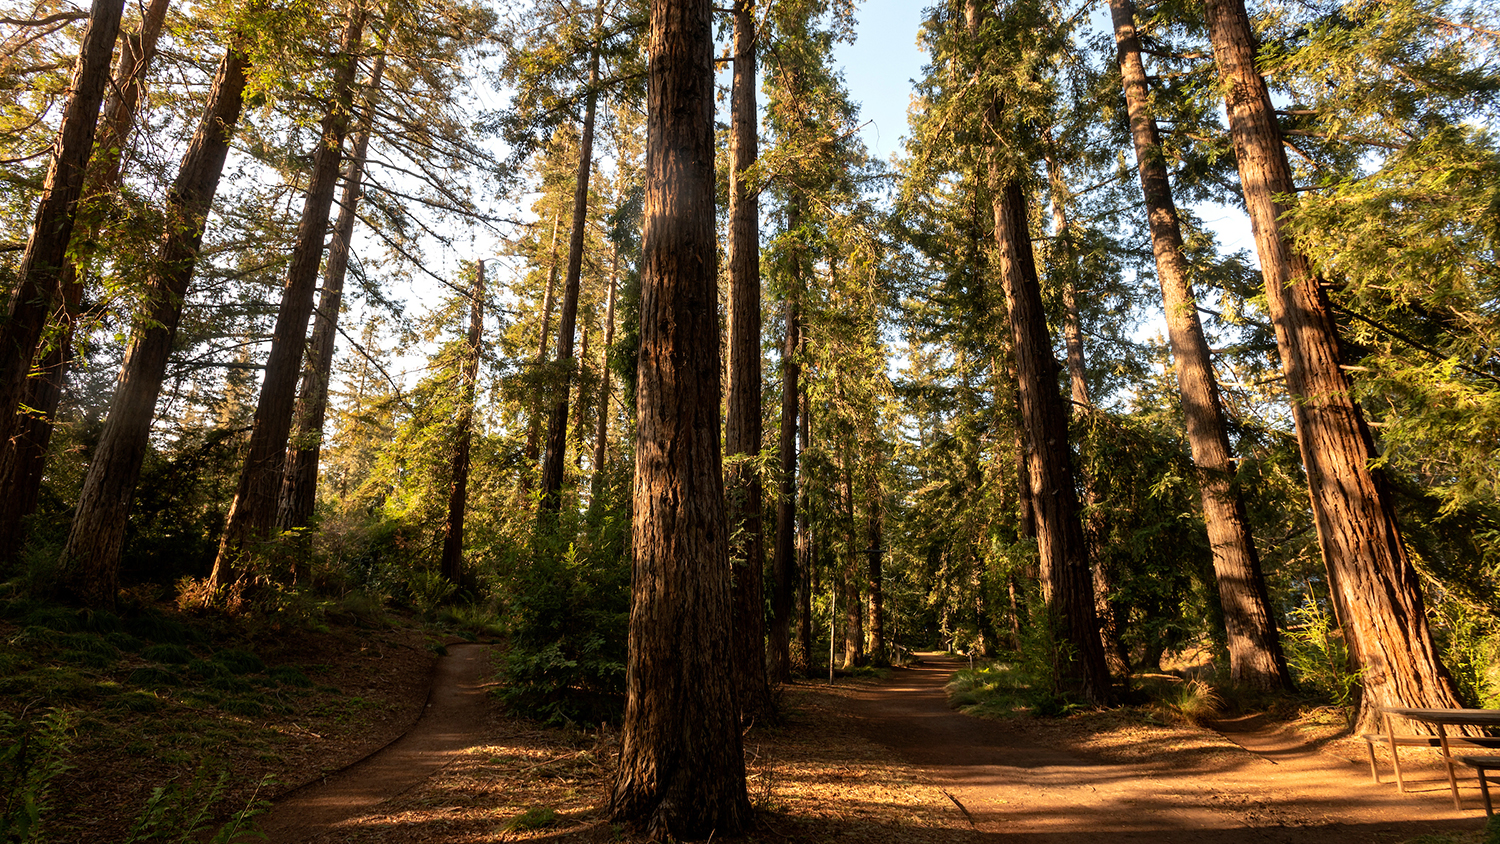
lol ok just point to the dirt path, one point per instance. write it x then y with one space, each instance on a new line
457 707
1018 785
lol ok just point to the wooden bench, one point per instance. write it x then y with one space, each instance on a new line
1481 764
1372 739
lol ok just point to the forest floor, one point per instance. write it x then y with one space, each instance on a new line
887 761
366 740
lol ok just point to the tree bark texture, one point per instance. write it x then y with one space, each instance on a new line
299 486
452 564
1067 582
91 558
742 425
682 768
1373 580
783 558
553 463
37 288
252 514
1255 656
23 456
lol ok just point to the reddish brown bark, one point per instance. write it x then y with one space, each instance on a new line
742 426
1255 657
601 427
91 558
40 270
682 769
1373 581
252 514
299 487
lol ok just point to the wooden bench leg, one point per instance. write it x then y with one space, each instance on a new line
1390 735
1484 788
1448 759
1374 772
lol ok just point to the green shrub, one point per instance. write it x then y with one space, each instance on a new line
1318 656
33 753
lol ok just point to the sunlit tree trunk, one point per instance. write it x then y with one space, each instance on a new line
299 487
544 344
682 768
252 514
1255 657
452 565
91 558
1375 586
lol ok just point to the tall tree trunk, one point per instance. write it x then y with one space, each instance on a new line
581 402
682 767
1102 577
557 424
1067 583
806 550
1373 580
253 511
533 424
23 456
742 426
601 428
41 267
299 487
1255 656
850 576
91 558
874 584
452 566
783 557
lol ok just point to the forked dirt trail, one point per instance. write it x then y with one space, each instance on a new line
457 708
1014 784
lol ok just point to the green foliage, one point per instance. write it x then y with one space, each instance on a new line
537 817
33 753
180 813
569 608
1317 655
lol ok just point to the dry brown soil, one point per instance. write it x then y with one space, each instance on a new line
885 762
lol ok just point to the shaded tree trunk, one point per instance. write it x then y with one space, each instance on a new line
1255 657
806 556
1375 586
553 463
299 488
39 273
682 768
91 558
252 514
23 457
742 427
452 564
783 559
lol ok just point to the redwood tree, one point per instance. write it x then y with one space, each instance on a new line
1374 584
91 558
742 428
1255 656
682 769
253 511
458 488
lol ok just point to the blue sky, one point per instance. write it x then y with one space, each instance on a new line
879 68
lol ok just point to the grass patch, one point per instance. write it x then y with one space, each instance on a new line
537 817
